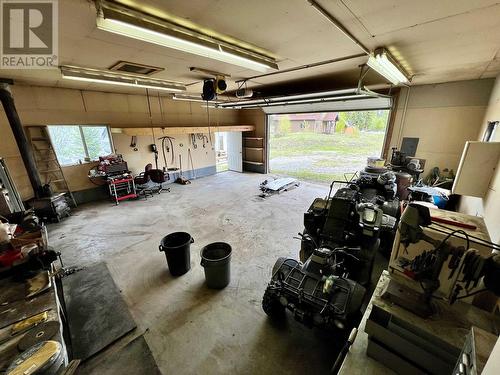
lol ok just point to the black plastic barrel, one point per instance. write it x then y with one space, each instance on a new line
177 250
216 260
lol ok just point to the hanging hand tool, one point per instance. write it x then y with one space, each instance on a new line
202 137
154 150
133 142
205 140
193 141
166 148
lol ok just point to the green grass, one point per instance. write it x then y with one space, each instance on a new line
322 158
221 167
297 144
330 163
308 175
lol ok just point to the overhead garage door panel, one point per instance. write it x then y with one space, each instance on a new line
338 106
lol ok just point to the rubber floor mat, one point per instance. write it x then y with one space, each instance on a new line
97 313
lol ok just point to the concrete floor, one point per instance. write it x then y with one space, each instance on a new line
189 328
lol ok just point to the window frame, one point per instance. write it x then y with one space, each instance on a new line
87 159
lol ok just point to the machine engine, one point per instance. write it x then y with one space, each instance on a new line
341 236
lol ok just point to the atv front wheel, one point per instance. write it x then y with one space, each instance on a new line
272 306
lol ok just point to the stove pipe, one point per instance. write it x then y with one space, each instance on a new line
21 140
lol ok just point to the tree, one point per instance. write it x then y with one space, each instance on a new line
365 120
285 125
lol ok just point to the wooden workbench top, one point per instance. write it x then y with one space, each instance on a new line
451 324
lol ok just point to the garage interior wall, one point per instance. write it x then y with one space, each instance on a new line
203 158
489 206
255 117
53 106
444 116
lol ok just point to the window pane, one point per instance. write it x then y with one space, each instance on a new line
97 140
67 143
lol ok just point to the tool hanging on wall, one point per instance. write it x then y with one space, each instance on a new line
202 137
167 145
154 150
193 140
133 143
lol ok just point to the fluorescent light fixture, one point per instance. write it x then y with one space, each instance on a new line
384 64
127 22
112 78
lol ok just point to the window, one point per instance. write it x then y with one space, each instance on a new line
489 133
75 144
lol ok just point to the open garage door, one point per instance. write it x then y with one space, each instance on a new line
321 146
361 104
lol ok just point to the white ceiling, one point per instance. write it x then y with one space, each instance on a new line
438 41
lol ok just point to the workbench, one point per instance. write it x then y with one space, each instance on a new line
450 326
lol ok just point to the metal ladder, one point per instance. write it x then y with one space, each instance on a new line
46 160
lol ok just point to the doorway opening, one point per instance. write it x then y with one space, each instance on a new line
321 147
221 152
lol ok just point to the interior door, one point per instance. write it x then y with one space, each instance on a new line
235 151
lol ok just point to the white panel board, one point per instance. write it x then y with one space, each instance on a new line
235 151
345 105
476 169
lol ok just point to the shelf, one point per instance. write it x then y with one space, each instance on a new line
254 148
253 162
254 138
161 131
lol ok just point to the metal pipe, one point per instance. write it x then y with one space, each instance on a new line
21 140
338 25
306 66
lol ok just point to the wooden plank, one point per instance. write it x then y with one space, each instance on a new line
182 130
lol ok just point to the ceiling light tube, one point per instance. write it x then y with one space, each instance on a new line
126 22
110 78
384 64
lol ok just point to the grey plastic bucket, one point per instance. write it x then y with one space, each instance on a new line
216 261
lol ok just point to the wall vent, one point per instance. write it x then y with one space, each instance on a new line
135 68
